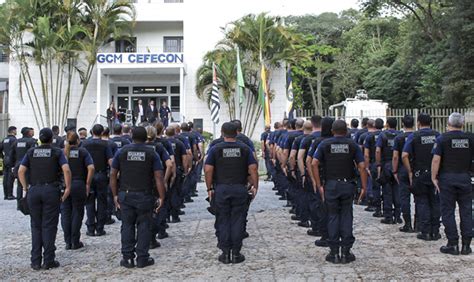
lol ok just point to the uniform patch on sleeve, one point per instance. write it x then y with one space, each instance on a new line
391 142
6 141
339 148
74 154
231 153
21 145
42 153
119 144
136 156
428 139
460 143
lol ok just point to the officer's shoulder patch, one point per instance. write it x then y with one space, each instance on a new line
118 143
231 152
6 141
430 139
42 153
136 156
21 144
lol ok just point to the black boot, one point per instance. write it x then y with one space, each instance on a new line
323 242
424 236
407 227
387 220
466 247
225 257
154 243
451 248
347 256
333 255
237 257
127 263
435 236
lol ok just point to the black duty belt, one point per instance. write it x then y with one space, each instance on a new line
135 191
347 180
56 183
101 171
231 184
421 171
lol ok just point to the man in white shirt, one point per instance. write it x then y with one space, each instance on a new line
140 113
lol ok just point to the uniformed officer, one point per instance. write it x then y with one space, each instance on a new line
126 129
317 206
306 174
418 147
265 151
110 199
401 174
300 200
374 130
58 142
18 151
229 166
337 155
82 134
181 166
200 155
44 165
117 138
188 185
97 201
385 176
72 210
451 166
362 130
159 225
351 133
138 166
5 151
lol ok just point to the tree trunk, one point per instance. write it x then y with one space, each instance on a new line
313 95
319 84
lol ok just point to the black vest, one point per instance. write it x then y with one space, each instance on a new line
458 152
44 164
97 149
339 156
388 140
178 151
231 163
136 168
77 163
7 145
372 144
21 147
423 142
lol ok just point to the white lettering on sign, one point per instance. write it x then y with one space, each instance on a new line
231 153
140 58
21 145
425 140
136 156
339 148
6 141
460 143
74 154
42 153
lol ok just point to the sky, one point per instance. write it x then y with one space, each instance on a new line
299 7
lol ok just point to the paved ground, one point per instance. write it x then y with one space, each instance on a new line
277 250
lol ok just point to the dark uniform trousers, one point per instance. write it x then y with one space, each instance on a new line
390 192
405 194
44 202
456 188
376 187
72 212
97 214
268 164
338 198
19 187
427 201
232 205
175 199
136 212
8 180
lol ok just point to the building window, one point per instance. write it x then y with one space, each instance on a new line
173 44
126 45
122 90
175 103
174 89
149 90
173 1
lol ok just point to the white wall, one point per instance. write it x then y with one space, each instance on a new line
150 35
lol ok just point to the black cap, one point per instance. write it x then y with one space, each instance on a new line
46 135
11 128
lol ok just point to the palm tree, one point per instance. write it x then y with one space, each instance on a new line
225 61
105 21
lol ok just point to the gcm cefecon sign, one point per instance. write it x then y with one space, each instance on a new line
140 58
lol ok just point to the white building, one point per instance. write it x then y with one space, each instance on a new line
171 37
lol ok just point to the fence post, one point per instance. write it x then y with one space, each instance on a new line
415 116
